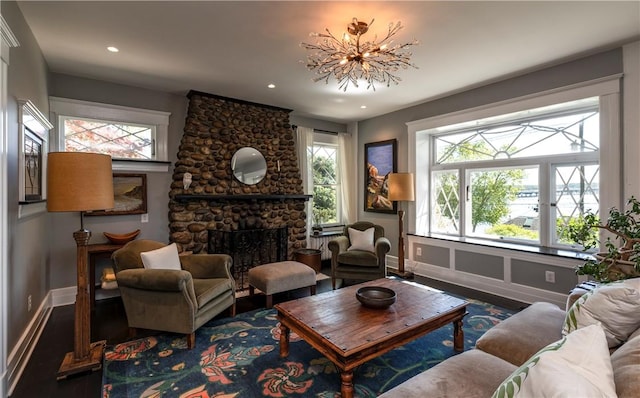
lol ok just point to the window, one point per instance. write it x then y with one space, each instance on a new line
121 141
124 133
323 160
520 175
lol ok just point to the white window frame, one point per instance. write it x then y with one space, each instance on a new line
329 139
29 116
608 91
115 113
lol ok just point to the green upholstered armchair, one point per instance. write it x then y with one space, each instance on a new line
359 264
178 301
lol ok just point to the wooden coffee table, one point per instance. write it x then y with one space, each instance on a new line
349 334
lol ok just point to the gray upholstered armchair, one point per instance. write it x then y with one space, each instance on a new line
359 264
178 301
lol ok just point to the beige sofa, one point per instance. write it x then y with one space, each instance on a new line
501 350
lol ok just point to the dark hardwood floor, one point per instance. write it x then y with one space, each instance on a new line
108 322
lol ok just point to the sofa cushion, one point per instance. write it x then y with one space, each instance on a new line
626 367
472 374
162 258
615 305
358 257
578 365
520 336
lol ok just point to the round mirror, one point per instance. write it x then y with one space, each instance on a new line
248 165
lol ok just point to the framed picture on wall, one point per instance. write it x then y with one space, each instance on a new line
379 161
129 194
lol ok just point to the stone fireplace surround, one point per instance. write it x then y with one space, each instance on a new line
215 128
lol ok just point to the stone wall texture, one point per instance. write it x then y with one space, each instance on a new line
215 128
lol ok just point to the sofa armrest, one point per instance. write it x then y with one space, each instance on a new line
207 266
155 279
338 245
382 247
517 338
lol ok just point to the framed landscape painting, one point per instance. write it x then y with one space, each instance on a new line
379 161
129 195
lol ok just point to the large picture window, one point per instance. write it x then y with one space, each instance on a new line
521 176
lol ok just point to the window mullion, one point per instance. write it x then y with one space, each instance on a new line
546 180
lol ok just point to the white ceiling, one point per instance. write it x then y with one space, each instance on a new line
236 48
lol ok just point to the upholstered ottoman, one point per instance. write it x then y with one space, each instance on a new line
281 277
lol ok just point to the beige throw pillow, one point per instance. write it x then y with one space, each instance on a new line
616 306
163 258
361 240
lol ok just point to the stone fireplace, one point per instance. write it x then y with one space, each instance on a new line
215 128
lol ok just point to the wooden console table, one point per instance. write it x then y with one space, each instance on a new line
96 251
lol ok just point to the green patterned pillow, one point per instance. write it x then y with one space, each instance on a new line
616 306
578 365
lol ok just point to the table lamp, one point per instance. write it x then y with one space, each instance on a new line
401 190
79 181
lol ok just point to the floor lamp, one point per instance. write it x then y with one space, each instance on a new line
401 190
80 182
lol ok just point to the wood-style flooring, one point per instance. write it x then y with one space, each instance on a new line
108 322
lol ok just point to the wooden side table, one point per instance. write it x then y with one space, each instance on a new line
96 251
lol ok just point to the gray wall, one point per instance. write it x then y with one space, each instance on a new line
27 240
62 260
393 125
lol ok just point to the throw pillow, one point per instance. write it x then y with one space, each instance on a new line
578 365
361 240
615 305
162 258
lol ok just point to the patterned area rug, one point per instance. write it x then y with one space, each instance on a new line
238 357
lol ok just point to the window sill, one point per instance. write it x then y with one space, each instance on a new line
140 165
29 209
549 251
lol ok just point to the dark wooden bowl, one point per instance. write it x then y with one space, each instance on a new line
376 297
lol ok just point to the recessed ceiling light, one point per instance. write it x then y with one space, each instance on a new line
363 107
113 49
271 85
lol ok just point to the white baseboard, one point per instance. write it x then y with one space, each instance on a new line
513 291
63 296
21 353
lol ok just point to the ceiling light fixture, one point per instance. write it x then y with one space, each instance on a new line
349 60
113 49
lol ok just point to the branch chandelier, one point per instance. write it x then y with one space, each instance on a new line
349 60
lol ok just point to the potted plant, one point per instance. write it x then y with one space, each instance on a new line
621 259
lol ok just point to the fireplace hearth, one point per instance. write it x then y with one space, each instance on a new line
249 248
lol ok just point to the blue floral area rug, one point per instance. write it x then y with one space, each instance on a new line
239 357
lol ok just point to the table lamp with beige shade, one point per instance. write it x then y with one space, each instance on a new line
79 182
401 189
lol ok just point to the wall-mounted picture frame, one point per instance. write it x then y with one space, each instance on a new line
129 194
33 147
379 161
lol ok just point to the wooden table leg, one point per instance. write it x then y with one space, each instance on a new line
284 341
458 336
347 384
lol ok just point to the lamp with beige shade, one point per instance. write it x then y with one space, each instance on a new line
401 189
80 182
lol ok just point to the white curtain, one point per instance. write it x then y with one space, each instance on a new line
348 178
304 138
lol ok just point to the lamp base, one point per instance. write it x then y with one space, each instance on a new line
403 275
92 362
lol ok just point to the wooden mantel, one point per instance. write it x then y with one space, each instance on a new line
239 198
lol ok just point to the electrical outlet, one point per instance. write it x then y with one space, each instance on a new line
29 303
418 251
144 217
550 276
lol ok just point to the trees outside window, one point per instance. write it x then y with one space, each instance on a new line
326 187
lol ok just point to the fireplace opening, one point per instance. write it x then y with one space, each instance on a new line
249 248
